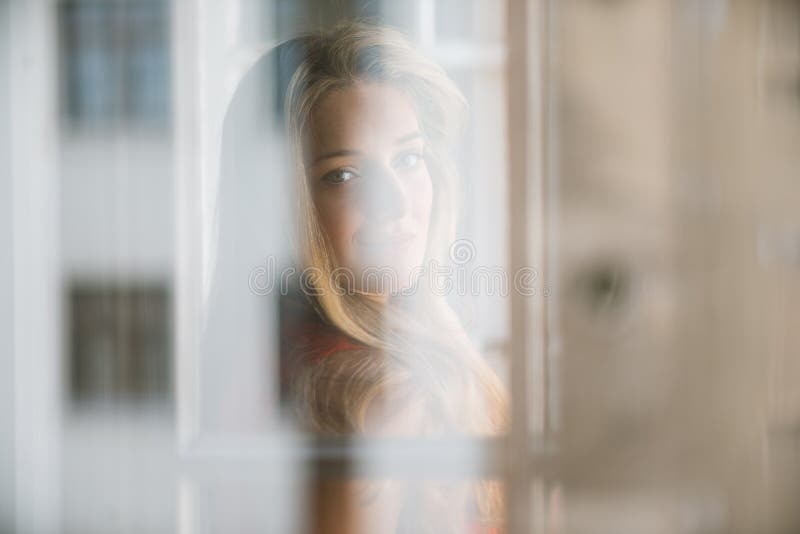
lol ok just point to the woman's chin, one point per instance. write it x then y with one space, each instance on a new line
389 279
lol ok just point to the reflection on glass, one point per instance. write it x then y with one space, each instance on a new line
369 343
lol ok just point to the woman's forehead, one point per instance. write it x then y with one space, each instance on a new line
362 115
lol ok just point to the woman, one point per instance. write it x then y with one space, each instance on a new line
367 346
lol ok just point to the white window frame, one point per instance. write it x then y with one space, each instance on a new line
531 196
35 363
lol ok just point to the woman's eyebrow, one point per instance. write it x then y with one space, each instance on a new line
347 152
408 137
336 154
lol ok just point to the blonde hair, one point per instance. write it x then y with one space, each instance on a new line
414 347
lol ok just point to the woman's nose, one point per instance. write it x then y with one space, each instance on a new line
384 195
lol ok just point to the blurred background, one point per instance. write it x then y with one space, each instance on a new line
642 155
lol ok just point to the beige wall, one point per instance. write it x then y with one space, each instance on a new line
677 158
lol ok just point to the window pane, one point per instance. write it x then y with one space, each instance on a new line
250 230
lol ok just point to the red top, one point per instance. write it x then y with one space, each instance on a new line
306 339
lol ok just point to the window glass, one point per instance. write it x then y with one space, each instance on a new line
403 267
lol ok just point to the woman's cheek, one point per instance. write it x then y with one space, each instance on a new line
423 200
339 219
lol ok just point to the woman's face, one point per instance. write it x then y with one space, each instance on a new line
364 157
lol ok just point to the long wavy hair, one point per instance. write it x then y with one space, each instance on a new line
415 346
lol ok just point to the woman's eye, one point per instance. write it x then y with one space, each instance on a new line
409 160
339 176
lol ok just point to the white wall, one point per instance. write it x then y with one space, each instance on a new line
116 204
35 256
6 286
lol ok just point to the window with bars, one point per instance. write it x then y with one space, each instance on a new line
114 59
119 344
